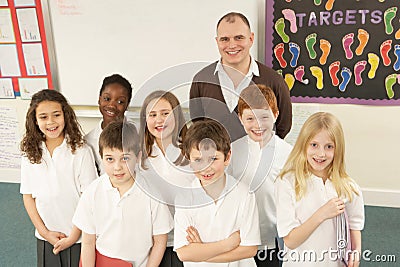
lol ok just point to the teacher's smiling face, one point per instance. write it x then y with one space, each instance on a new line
234 40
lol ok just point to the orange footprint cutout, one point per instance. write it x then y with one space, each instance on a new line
325 46
363 37
329 4
397 34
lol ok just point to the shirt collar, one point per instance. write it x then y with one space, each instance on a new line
252 70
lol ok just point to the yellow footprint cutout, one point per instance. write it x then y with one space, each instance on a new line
289 79
325 47
317 73
373 60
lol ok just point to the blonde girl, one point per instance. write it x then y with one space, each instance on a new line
162 129
312 189
56 167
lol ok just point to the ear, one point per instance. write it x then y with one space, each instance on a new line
228 158
276 116
252 37
240 118
98 101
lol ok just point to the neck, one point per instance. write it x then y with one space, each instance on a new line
52 143
123 188
237 71
265 141
163 144
215 188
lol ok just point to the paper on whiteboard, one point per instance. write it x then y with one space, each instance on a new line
10 157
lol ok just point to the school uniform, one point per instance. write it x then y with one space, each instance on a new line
258 168
124 225
56 185
235 210
169 179
292 213
92 139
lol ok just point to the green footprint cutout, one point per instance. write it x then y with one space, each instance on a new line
389 82
311 39
389 14
317 2
280 29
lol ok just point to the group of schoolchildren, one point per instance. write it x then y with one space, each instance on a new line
174 194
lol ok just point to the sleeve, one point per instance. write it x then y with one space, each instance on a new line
195 104
284 120
250 228
87 171
25 186
84 213
285 200
161 218
355 211
182 222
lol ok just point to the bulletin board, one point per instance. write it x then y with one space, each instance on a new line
343 51
24 57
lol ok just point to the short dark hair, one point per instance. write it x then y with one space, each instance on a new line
204 130
230 17
120 135
118 79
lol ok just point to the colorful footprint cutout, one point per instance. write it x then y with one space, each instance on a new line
389 83
397 35
346 76
334 68
280 30
388 16
311 39
325 47
384 49
280 72
294 49
289 79
279 49
317 73
359 68
373 61
329 5
396 65
347 41
317 2
363 37
299 74
290 16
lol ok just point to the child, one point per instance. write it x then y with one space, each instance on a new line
56 167
114 98
117 218
312 189
257 159
162 129
221 227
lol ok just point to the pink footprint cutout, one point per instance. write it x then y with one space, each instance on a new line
386 46
334 68
358 70
279 49
299 74
290 15
347 41
288 1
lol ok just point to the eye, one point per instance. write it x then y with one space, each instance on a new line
109 159
152 115
330 147
121 102
214 158
126 158
166 113
313 145
239 37
106 98
249 119
224 39
42 117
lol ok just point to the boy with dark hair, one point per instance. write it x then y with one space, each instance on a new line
119 220
221 225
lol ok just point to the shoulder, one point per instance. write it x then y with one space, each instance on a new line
204 73
264 70
239 142
94 133
282 145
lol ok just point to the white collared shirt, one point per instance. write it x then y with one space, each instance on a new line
56 184
245 165
92 139
230 93
124 225
235 210
292 213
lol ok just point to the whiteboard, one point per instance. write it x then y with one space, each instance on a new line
137 39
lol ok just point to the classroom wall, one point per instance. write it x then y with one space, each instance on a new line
371 134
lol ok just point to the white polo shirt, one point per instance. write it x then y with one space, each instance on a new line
92 139
167 178
56 184
124 226
235 210
247 160
292 213
230 93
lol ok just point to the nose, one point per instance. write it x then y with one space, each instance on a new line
118 165
159 118
321 152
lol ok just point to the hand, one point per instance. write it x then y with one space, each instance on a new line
234 240
193 235
53 237
332 208
62 244
354 259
